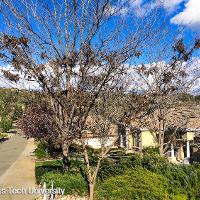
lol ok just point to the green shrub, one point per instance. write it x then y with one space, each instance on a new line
123 176
18 111
184 179
155 163
110 168
151 150
138 184
6 124
41 151
3 135
72 183
179 197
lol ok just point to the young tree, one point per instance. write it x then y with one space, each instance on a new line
163 82
103 125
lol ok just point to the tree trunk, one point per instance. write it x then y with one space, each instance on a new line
161 140
65 154
91 191
161 147
161 131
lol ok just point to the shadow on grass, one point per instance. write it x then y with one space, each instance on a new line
47 166
3 139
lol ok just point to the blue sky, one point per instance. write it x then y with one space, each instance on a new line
182 17
179 14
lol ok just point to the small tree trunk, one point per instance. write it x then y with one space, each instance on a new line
161 141
65 154
161 148
91 191
161 131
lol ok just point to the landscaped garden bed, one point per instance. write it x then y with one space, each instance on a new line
132 177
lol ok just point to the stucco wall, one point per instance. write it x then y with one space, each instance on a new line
96 142
148 139
189 136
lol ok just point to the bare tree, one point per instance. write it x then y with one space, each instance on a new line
73 50
104 117
164 82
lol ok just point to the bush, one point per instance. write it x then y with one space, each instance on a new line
179 197
138 184
151 150
155 163
18 112
46 150
3 135
184 179
6 124
110 168
72 183
41 151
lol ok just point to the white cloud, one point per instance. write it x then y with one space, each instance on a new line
190 83
141 8
193 72
136 3
190 16
132 80
21 84
170 5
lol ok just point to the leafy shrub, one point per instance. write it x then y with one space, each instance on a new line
6 124
179 197
151 150
138 184
41 151
72 183
184 179
18 111
155 163
182 182
3 135
46 150
110 168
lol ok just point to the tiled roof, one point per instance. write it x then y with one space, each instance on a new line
184 117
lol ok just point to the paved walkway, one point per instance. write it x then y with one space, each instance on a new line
16 157
10 150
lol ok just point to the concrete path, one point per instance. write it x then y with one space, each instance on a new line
10 150
20 175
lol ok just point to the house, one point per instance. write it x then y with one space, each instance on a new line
138 139
97 141
185 149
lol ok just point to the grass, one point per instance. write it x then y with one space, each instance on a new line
43 167
72 181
